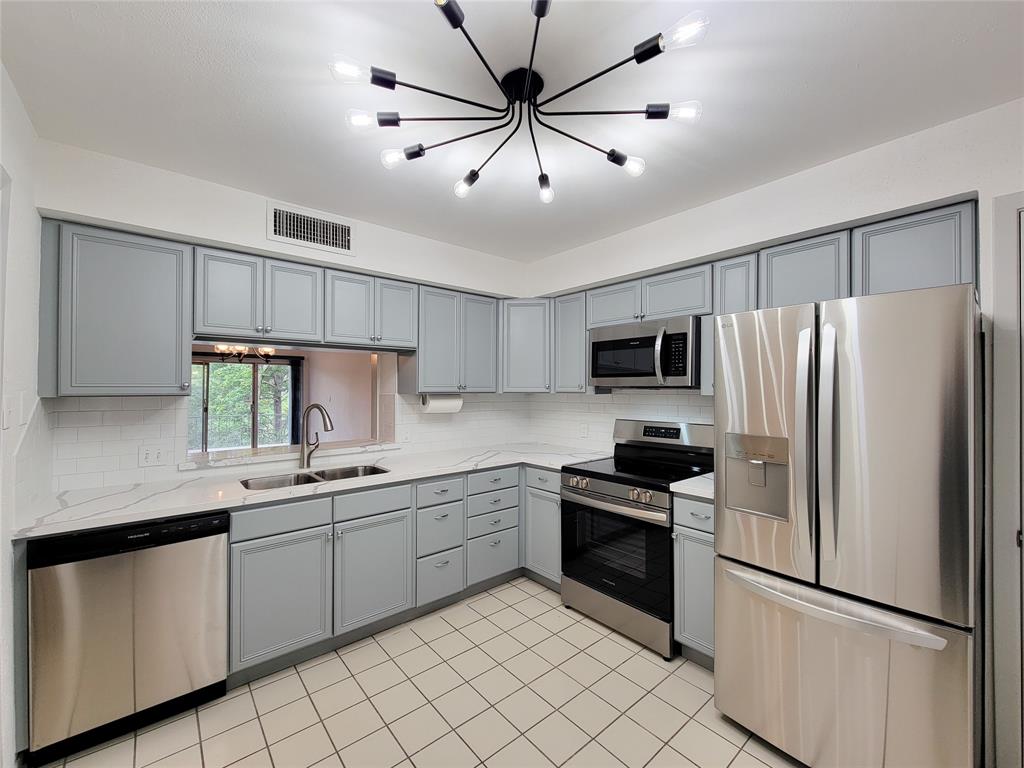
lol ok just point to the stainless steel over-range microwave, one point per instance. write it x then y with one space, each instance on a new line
653 353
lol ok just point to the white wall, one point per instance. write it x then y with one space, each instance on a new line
91 187
342 382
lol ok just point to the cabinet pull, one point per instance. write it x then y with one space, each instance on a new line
441 517
542 479
700 517
496 479
441 491
259 329
268 329
442 564
495 521
186 384
494 543
496 501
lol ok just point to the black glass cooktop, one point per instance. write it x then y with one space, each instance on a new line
645 468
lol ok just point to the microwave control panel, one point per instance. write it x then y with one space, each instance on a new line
674 354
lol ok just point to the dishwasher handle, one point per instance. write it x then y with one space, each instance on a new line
113 540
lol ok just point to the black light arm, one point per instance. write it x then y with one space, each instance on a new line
504 141
483 61
583 82
394 119
449 96
505 124
654 111
569 135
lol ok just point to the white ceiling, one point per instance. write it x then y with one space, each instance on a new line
239 93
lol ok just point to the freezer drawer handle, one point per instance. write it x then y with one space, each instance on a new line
826 407
881 627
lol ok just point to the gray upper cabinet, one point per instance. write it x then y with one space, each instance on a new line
542 528
125 314
614 304
683 292
294 301
349 316
924 250
395 313
373 565
735 282
479 344
816 269
526 355
280 594
570 353
229 294
440 323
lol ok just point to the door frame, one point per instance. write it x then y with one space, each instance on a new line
1003 625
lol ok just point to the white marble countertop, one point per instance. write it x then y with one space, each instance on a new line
701 488
94 508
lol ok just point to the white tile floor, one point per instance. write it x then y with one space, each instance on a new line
505 679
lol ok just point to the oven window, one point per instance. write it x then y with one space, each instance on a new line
622 358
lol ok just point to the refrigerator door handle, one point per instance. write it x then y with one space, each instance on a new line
657 354
803 436
879 626
826 408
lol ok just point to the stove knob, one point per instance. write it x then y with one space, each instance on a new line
574 481
634 494
646 497
584 483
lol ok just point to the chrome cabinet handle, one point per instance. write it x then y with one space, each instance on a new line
495 522
496 501
259 329
700 517
495 543
186 384
442 564
441 517
542 479
636 315
268 329
441 491
496 479
826 403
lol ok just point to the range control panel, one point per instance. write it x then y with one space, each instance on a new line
666 433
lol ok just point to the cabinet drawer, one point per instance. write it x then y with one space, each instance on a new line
493 480
492 555
694 514
493 501
439 575
491 522
439 528
349 506
544 479
280 518
440 492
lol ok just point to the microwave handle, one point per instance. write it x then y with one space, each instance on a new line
657 355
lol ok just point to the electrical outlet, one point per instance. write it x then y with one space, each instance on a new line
153 456
584 430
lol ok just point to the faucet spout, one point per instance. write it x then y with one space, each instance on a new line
307 445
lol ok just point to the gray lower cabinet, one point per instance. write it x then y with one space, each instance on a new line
924 250
735 282
440 528
229 294
365 310
816 269
570 346
125 314
542 529
683 292
437 356
526 345
478 353
694 589
492 555
280 594
614 304
293 307
440 575
373 564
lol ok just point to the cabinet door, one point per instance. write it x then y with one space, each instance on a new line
348 299
925 250
614 304
695 589
294 301
373 561
280 594
570 343
437 364
229 294
817 269
479 354
735 283
526 355
125 314
542 522
395 313
683 292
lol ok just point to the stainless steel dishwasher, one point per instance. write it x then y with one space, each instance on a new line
126 626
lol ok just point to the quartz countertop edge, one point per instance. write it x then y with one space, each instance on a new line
79 510
700 488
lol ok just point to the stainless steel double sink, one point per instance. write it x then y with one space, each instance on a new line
310 477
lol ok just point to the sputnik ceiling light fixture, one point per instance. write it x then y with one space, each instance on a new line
520 89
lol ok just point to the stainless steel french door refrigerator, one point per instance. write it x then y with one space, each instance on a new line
847 528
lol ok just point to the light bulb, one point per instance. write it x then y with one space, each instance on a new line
462 185
389 158
688 31
346 70
358 119
547 194
686 111
635 166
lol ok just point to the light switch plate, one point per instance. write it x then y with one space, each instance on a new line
584 430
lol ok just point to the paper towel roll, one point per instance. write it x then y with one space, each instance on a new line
442 403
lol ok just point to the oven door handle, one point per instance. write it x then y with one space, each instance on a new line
657 354
660 518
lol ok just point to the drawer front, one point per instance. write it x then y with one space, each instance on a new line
694 514
543 479
492 555
349 506
493 480
493 501
280 518
440 575
440 492
491 522
439 528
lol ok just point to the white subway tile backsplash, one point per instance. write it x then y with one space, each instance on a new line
78 450
111 418
100 403
79 418
99 433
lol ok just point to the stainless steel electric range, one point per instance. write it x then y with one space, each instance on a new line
617 527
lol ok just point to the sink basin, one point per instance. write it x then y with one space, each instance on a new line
280 481
340 473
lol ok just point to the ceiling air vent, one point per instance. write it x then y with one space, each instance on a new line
315 229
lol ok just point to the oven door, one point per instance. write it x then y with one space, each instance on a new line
623 557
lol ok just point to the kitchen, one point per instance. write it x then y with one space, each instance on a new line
607 465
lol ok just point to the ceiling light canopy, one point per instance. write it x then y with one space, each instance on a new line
520 90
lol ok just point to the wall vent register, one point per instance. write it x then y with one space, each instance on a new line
292 224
